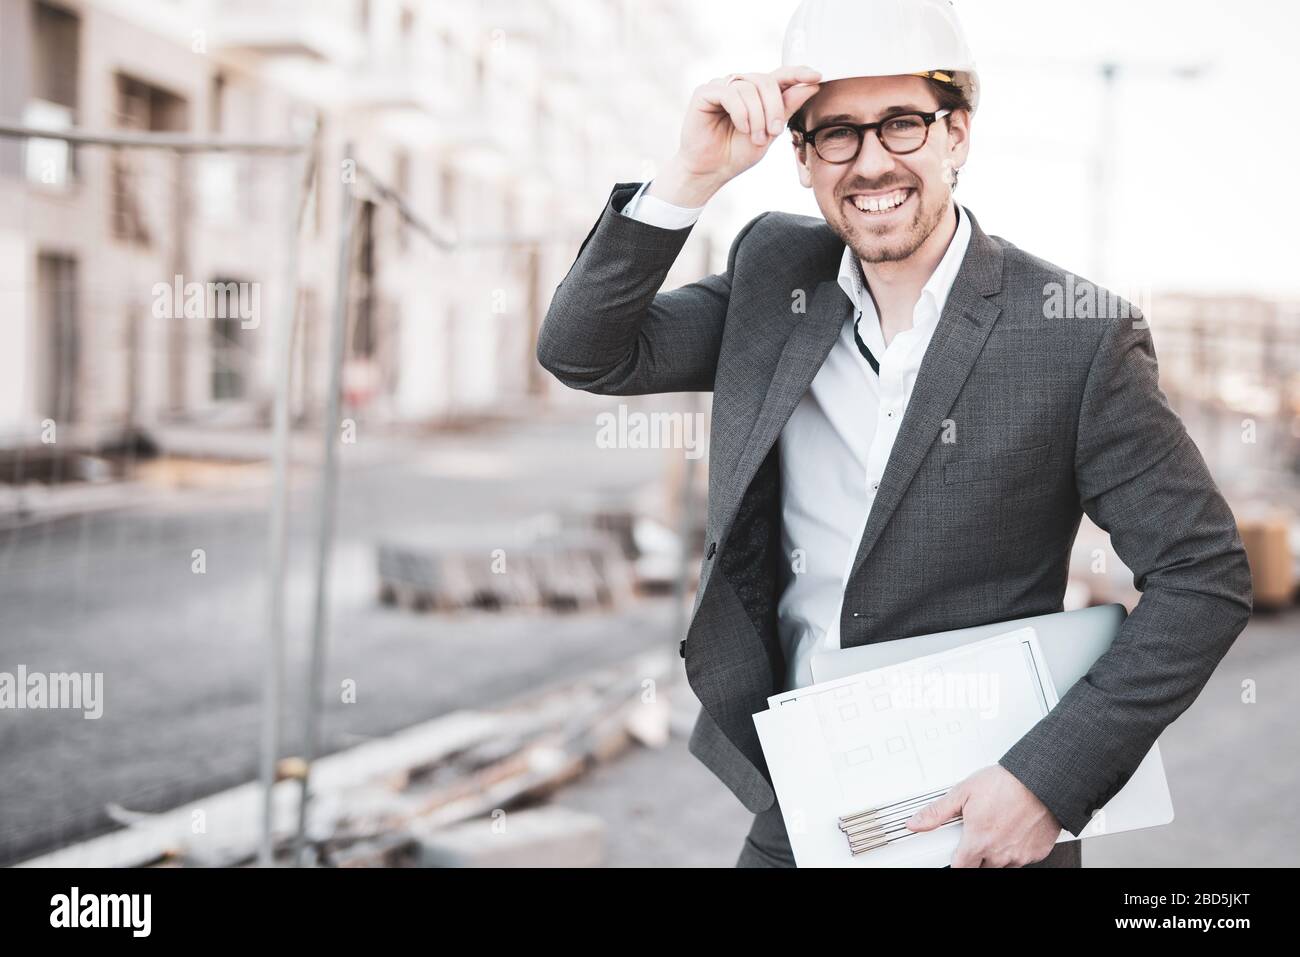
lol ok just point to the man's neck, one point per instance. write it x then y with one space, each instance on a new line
896 286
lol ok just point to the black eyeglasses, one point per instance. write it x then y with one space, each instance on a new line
899 134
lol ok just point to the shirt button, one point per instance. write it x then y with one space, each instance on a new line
875 486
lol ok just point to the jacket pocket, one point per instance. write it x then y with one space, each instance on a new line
1007 462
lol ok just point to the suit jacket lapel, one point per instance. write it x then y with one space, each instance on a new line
968 317
810 341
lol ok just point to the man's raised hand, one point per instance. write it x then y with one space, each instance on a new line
730 123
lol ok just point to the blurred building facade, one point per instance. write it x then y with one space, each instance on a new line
1231 367
496 122
480 112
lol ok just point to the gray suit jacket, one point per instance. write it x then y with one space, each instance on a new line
1052 417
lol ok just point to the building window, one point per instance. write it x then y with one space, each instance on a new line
366 328
229 354
59 338
135 176
55 65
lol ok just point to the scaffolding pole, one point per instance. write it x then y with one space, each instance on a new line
325 509
177 142
282 362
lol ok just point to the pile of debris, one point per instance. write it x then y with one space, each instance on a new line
486 803
577 561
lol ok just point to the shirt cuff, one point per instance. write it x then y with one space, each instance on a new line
657 212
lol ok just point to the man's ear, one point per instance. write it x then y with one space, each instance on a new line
800 161
959 137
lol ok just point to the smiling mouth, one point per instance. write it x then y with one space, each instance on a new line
883 203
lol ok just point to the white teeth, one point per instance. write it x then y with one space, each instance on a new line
877 204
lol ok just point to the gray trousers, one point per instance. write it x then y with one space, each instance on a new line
768 845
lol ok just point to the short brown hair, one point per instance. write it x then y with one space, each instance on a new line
950 97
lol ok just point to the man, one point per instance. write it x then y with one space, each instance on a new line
904 435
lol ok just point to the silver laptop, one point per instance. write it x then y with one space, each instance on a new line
1071 641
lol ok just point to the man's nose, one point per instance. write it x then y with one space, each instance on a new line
873 159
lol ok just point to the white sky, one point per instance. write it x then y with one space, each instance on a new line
1191 210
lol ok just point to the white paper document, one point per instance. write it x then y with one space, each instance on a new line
840 747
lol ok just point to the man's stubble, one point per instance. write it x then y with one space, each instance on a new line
869 248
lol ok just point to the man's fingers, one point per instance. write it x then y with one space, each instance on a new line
773 105
967 855
784 91
797 96
760 103
727 98
748 94
939 811
790 75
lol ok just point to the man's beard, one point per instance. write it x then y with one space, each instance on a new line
872 249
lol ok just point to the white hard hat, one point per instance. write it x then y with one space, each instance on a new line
847 38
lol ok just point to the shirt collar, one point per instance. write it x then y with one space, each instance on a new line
936 288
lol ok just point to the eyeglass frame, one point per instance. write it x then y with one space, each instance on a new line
861 129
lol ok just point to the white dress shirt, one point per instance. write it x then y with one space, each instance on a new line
836 444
